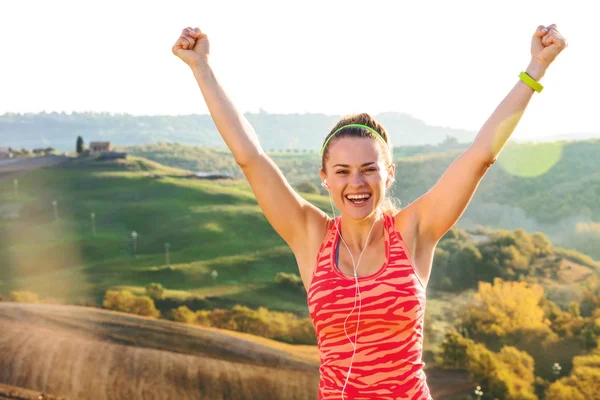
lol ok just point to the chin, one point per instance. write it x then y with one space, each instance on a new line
359 213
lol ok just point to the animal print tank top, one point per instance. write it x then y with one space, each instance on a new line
387 364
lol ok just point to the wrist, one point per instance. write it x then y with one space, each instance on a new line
200 65
536 69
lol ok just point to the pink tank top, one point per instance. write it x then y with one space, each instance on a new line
387 363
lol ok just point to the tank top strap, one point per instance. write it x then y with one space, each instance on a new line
388 226
326 247
400 248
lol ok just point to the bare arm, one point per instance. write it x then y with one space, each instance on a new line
285 210
442 206
234 128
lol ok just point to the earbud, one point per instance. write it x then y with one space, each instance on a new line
324 184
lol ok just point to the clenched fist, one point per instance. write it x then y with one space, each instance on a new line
192 46
546 44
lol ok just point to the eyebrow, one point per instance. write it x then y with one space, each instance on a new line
347 166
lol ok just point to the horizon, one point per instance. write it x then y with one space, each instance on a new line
302 74
558 137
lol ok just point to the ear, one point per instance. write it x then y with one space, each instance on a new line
391 176
323 179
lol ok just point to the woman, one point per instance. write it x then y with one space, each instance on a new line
366 297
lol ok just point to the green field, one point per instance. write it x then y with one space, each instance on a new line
210 225
547 187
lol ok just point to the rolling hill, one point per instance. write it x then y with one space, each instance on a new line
83 353
86 353
547 187
209 226
57 251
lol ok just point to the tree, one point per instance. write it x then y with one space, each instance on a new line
126 301
79 146
307 187
466 267
583 383
507 374
506 307
155 291
184 314
143 305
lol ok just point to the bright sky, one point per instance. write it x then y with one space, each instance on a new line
448 63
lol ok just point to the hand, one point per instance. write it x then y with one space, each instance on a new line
546 44
192 46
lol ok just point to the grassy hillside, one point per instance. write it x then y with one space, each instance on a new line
297 165
84 353
548 187
209 226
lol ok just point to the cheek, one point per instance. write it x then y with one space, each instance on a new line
378 181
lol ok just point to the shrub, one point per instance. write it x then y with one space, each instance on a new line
126 301
184 314
155 291
24 296
203 318
290 281
282 326
143 305
506 375
505 308
307 187
583 383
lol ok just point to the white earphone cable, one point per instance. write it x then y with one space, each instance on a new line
354 345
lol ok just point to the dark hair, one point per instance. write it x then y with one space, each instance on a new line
388 205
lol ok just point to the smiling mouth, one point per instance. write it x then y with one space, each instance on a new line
358 199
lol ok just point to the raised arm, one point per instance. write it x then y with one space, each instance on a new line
440 208
285 210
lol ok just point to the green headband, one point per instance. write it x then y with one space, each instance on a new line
350 125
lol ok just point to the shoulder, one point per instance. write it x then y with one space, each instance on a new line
317 227
419 249
407 222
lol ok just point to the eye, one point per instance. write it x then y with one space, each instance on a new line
372 169
341 171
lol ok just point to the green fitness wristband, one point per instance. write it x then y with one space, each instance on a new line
535 85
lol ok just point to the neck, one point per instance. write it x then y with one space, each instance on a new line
356 232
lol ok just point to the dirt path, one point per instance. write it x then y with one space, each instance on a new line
14 167
8 392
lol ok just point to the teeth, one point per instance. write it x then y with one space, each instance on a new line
358 196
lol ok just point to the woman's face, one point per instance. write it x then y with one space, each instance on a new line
357 175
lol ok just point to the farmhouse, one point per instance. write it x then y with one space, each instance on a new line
5 152
99 147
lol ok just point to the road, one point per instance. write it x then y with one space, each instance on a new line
13 167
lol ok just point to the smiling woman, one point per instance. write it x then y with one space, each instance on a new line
395 247
377 163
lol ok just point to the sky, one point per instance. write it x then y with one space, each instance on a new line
448 63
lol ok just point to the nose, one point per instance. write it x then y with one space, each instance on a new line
356 180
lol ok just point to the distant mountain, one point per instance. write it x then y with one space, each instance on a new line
579 136
276 131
